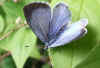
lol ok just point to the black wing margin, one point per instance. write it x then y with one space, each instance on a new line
38 16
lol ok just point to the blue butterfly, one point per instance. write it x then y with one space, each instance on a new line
54 27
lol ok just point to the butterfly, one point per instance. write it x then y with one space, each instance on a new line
54 27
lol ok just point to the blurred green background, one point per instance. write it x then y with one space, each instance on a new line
20 48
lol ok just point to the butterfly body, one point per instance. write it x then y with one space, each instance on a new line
52 28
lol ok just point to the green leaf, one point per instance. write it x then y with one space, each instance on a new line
92 61
76 52
1 24
7 62
11 16
46 66
21 44
2 20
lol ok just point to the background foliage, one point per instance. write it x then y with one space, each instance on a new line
19 47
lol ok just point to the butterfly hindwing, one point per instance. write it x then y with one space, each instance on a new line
38 16
75 31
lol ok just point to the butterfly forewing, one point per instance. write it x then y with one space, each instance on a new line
61 16
38 16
